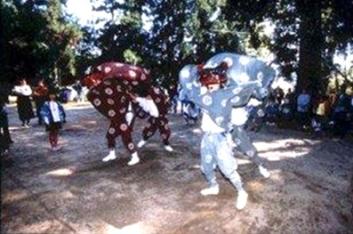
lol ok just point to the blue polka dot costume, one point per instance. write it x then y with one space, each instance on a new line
246 77
190 111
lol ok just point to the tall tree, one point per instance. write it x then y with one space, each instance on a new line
123 33
38 40
308 34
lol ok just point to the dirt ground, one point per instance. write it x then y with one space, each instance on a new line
73 191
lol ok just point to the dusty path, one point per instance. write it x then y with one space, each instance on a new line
72 191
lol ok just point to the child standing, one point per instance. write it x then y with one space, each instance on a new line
53 115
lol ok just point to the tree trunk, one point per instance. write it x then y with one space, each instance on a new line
310 47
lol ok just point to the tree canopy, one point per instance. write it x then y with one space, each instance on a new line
40 40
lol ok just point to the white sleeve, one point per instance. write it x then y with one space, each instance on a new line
17 89
23 90
149 106
26 90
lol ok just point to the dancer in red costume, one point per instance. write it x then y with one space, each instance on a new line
118 91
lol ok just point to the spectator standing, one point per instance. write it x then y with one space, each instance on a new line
78 88
290 96
53 115
303 109
341 115
173 95
321 111
278 95
286 111
350 94
5 138
24 106
272 111
40 94
191 112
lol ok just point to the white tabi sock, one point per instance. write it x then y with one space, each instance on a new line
134 159
110 156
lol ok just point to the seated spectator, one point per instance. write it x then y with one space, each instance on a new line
64 95
279 95
286 110
271 112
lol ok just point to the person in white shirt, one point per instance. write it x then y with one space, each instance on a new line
53 115
24 105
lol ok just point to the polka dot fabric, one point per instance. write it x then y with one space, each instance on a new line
132 75
109 85
109 101
246 77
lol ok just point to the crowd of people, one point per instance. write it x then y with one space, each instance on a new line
321 114
47 109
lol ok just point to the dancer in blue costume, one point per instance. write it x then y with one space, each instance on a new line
224 82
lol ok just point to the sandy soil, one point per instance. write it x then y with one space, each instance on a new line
73 191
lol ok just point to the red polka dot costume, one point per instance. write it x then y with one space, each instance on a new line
112 102
110 84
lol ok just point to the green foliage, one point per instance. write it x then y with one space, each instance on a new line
38 41
308 33
131 57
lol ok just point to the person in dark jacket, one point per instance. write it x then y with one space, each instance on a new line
341 115
24 105
53 115
5 138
